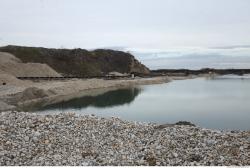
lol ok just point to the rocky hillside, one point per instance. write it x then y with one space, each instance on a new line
79 62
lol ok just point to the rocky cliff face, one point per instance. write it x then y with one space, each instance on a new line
137 67
79 62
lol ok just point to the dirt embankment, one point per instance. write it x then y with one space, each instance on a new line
50 92
11 65
56 91
13 90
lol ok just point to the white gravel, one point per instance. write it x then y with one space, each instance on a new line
67 139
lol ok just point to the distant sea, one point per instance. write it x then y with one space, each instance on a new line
194 58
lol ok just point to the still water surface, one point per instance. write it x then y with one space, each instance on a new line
220 103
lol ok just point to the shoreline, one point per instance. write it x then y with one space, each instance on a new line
29 95
49 92
69 139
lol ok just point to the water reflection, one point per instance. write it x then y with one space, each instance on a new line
220 104
108 99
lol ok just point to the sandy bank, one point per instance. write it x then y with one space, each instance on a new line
45 92
67 139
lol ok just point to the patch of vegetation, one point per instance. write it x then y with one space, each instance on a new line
79 62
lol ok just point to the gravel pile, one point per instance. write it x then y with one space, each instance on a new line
67 139
11 65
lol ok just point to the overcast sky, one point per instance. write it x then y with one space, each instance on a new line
126 23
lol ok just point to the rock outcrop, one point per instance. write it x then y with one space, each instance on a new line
79 62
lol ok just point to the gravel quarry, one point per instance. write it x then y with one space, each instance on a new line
15 92
30 139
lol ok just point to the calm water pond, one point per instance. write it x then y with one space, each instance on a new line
220 103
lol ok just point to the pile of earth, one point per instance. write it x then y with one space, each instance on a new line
11 65
28 95
6 79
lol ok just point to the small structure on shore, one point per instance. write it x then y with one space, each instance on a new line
132 76
118 74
